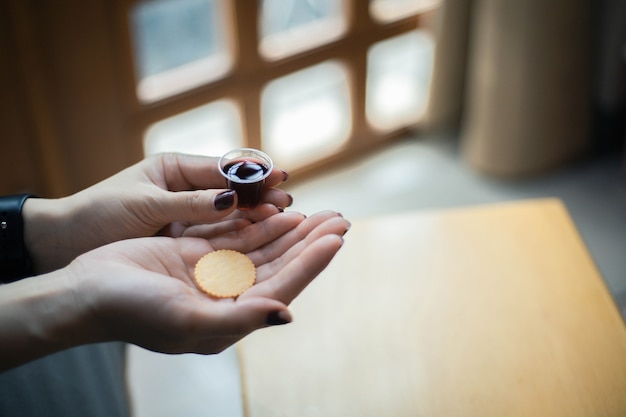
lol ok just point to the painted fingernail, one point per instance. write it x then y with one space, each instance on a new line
290 200
277 318
224 200
347 228
285 175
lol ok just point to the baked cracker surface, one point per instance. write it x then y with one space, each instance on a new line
224 273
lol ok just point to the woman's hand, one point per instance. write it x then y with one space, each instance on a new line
166 194
142 290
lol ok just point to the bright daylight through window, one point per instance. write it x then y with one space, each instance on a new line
185 59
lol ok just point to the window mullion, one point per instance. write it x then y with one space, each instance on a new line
247 63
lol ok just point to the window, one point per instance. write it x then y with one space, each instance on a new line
305 115
398 78
212 129
390 10
305 80
288 27
178 45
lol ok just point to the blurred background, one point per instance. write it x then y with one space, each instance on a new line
374 107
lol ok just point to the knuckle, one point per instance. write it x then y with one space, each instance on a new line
195 202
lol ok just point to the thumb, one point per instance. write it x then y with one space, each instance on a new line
224 324
245 316
198 205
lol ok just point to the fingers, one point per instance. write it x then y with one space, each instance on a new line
196 188
195 206
248 314
318 224
295 275
286 266
201 325
259 213
181 172
184 172
212 230
216 326
257 235
277 197
276 177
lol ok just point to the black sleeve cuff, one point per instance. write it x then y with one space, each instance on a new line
15 262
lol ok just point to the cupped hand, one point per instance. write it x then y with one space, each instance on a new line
169 192
142 290
165 194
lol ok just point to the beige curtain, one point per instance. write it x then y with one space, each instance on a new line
514 77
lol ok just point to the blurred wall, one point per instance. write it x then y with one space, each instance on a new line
60 118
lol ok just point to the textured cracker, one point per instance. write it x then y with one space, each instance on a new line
224 273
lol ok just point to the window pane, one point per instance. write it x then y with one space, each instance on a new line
306 115
389 10
290 26
398 80
178 45
211 130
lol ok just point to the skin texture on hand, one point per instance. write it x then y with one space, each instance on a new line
168 194
142 291
123 253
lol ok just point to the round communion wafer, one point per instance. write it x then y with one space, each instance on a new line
224 273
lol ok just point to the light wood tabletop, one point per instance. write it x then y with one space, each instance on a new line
483 311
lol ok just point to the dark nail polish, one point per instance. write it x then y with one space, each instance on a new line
224 200
285 175
290 200
277 318
347 229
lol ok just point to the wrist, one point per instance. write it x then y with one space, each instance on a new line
46 233
41 315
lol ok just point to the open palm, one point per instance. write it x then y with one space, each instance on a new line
142 291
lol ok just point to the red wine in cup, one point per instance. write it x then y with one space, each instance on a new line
246 177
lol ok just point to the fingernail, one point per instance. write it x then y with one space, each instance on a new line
285 175
290 200
224 200
280 209
347 228
277 318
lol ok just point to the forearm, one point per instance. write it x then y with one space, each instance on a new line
39 316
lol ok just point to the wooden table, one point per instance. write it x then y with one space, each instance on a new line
486 311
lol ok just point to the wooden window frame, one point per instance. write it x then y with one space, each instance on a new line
251 72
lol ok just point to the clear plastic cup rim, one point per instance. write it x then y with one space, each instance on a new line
265 159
